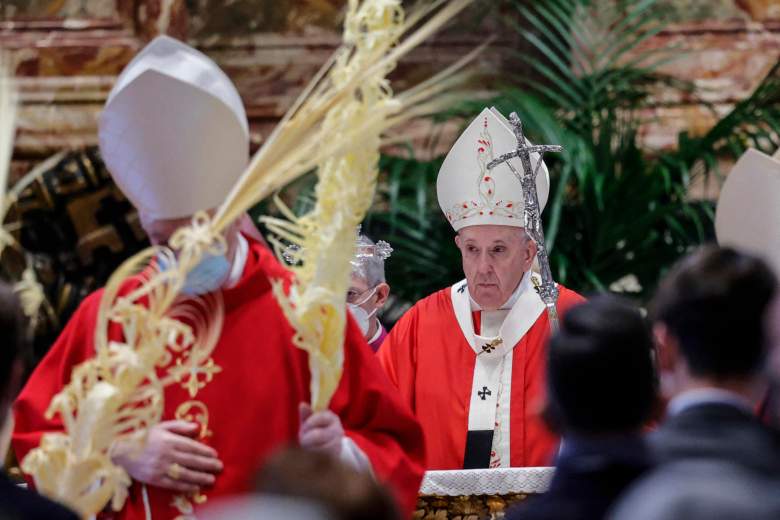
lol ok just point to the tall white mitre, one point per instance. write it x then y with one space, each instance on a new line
470 194
174 133
748 212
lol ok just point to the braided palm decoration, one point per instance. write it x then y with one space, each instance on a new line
335 127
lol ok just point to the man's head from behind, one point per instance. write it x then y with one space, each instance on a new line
495 258
343 491
600 370
707 317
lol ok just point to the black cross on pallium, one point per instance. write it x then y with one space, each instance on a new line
484 393
487 348
462 288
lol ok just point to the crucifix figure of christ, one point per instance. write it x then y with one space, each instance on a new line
547 289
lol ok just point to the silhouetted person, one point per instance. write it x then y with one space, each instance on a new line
717 460
769 407
601 391
17 503
343 492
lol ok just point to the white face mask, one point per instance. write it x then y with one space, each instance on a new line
362 317
207 276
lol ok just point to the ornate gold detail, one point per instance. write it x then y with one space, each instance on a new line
487 205
196 412
183 506
119 393
189 374
174 471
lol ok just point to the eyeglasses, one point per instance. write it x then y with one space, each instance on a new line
356 298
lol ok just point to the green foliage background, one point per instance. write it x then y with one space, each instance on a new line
619 214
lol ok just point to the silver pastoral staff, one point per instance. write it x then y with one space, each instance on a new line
547 290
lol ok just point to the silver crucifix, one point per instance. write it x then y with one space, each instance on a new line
547 289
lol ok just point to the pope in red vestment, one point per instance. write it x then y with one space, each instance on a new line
429 359
175 138
470 359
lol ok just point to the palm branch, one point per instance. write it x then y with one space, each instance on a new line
617 211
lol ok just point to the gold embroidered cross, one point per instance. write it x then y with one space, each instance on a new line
190 377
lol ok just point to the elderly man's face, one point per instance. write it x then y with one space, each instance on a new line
369 298
494 261
358 287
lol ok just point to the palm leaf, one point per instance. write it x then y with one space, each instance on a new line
615 209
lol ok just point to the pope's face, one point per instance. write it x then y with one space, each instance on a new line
494 261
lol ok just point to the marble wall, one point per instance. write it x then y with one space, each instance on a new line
69 52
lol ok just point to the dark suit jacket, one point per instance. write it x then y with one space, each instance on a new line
17 503
718 462
588 478
722 432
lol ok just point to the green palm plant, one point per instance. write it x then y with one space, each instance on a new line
619 214
407 216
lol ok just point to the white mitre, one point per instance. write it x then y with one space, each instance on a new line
748 213
174 133
470 194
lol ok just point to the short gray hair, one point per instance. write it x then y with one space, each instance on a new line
369 261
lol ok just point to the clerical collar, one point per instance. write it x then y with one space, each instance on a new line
512 299
702 396
239 262
377 334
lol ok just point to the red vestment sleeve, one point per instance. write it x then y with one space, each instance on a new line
398 354
376 419
74 345
373 415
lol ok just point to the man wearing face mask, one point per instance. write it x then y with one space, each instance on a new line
175 137
469 359
368 289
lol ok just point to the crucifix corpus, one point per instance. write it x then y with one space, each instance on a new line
546 289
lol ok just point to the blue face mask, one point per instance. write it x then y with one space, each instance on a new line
207 276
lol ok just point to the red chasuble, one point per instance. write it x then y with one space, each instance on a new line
458 382
250 408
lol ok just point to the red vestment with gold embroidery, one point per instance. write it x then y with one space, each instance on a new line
251 404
